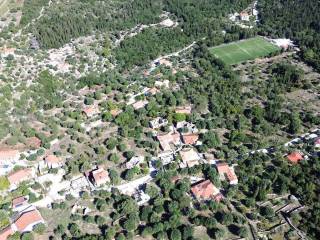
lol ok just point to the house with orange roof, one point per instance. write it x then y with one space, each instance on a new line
168 139
5 233
115 112
9 156
190 139
27 221
227 172
165 62
17 177
91 111
294 157
140 104
153 91
98 176
244 16
20 203
205 190
52 161
190 157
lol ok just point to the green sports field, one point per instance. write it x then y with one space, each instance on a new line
240 51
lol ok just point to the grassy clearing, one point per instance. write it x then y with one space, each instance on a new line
240 51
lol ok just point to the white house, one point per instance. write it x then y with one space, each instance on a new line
158 122
141 197
134 161
8 158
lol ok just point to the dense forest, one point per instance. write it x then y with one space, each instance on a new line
57 28
203 17
298 20
197 21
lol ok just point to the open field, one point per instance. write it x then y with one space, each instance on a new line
240 51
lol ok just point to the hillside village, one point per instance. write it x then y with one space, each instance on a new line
166 142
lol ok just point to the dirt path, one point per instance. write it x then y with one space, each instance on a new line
174 54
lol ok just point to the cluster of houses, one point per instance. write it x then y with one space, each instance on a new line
180 139
180 143
295 157
25 219
205 190
242 16
245 14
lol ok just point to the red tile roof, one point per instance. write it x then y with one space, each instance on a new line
139 104
153 91
100 176
294 157
52 159
19 201
26 219
91 110
189 156
190 138
218 197
205 190
244 14
8 154
5 233
224 169
115 112
166 139
20 176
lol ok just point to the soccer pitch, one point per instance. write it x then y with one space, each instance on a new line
240 51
